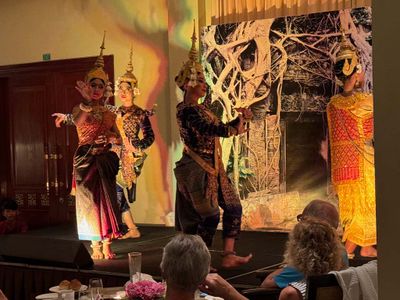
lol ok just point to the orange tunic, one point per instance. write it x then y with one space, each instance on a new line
90 125
350 121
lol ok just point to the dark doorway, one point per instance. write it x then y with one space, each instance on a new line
305 167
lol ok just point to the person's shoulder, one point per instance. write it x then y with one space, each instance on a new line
4 227
290 270
76 108
300 289
180 106
186 108
287 275
138 108
290 292
22 226
367 98
137 111
112 108
334 99
105 112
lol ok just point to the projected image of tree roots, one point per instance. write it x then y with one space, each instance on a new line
283 70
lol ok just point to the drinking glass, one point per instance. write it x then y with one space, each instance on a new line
135 266
84 295
96 288
67 294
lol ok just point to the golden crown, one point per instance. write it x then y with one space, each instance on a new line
129 76
98 70
192 67
348 53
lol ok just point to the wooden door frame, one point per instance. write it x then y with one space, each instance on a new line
7 73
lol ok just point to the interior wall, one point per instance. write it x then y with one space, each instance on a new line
159 31
387 132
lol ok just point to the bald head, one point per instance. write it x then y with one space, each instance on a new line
322 210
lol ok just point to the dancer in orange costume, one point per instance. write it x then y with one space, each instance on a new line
350 120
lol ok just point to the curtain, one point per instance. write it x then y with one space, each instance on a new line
231 11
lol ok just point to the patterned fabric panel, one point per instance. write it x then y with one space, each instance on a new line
90 125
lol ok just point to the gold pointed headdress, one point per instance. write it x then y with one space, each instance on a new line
192 67
129 76
348 53
98 70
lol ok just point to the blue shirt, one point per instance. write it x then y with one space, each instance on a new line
291 274
288 275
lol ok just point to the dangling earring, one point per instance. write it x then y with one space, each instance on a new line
359 71
357 84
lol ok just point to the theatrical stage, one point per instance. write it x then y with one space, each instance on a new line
26 280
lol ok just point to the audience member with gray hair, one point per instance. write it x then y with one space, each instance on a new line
185 264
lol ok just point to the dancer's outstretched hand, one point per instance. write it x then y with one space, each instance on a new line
59 119
241 126
101 139
83 88
246 112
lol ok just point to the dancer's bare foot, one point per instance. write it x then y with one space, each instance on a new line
350 247
231 260
368 251
108 254
97 254
133 233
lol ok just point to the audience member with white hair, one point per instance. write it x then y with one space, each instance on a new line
184 266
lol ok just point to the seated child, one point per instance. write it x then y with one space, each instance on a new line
313 248
10 222
319 210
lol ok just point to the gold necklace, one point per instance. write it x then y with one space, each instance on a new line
85 108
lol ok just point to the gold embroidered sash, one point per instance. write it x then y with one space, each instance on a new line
204 164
